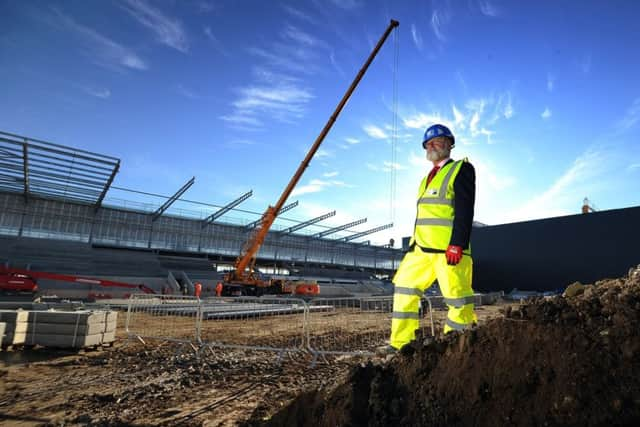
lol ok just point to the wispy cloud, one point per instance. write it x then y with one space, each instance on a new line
439 20
550 82
475 119
284 102
316 186
279 97
417 38
167 30
205 6
487 8
297 13
389 166
214 41
323 153
352 141
242 120
633 166
631 117
240 142
186 92
585 63
297 51
102 93
283 57
336 65
303 38
461 81
561 197
347 4
330 174
422 120
100 49
386 166
375 132
508 107
458 117
546 114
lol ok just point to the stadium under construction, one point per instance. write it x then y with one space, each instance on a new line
56 216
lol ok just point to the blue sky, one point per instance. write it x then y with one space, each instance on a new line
544 98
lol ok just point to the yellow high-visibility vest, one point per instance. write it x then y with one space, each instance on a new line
435 212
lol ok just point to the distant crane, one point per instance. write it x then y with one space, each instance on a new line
587 206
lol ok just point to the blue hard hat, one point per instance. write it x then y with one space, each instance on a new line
435 131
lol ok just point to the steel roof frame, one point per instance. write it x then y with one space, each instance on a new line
40 168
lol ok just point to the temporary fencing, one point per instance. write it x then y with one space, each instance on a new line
163 317
355 326
275 324
322 326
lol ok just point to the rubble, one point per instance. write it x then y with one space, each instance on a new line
571 360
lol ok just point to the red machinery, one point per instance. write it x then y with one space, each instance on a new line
17 282
243 279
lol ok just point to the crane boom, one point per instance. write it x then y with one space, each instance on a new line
249 251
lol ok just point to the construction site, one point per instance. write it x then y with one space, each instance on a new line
116 315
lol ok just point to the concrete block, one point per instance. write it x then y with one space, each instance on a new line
80 317
75 329
108 337
66 328
13 316
64 341
11 338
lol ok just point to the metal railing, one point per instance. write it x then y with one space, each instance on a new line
251 323
320 327
174 318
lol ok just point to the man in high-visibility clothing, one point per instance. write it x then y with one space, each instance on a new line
219 289
439 247
197 289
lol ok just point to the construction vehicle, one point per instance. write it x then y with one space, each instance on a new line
243 279
23 284
587 206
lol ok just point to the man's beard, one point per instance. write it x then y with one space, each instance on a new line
436 155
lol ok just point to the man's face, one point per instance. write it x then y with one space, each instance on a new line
438 148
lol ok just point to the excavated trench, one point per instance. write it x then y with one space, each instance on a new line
566 360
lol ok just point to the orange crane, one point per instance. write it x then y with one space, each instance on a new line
243 279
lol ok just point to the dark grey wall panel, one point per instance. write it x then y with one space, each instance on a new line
552 253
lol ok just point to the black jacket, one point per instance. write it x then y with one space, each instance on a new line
464 188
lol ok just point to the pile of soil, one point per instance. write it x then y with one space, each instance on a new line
564 360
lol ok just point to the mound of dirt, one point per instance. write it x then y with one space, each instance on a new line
565 360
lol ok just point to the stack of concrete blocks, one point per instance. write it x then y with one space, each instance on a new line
62 329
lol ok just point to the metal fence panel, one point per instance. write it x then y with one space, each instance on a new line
262 323
355 326
163 317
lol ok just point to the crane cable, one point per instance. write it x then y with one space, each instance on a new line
394 130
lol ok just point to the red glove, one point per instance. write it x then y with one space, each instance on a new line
453 254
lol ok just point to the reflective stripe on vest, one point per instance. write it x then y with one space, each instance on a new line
408 291
434 219
459 302
402 315
457 326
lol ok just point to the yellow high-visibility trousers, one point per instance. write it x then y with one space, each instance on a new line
417 272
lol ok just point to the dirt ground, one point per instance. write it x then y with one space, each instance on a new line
571 361
163 384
